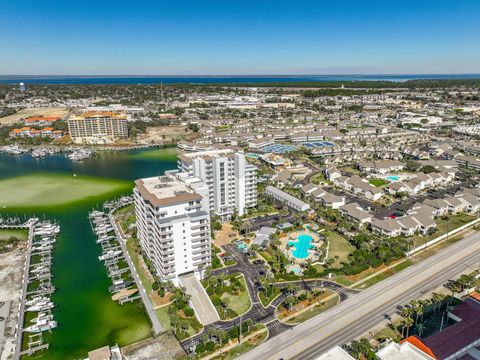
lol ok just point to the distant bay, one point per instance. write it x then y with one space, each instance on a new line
234 79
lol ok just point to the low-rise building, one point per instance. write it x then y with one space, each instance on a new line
287 199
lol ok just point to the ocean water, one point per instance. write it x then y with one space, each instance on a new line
234 79
87 317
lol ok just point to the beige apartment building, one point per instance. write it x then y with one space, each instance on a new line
98 127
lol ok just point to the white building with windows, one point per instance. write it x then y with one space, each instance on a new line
173 224
231 180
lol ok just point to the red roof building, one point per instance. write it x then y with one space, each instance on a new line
460 341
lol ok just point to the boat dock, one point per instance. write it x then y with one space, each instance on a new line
116 264
122 288
36 286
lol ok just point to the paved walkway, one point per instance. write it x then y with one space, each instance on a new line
204 309
157 327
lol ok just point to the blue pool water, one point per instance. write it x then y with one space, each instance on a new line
301 246
393 178
242 245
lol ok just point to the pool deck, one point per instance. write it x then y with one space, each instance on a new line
293 238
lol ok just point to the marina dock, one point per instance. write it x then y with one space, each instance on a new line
126 284
36 284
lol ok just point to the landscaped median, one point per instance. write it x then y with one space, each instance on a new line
221 345
229 295
305 305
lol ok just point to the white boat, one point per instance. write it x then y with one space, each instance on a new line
42 325
110 254
46 247
42 306
105 238
36 300
42 316
40 269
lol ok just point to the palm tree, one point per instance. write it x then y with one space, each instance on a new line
436 300
225 303
420 327
408 323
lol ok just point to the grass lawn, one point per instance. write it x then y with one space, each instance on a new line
388 332
167 153
244 347
271 295
453 222
144 278
378 182
317 309
55 189
20 234
163 317
338 246
384 275
239 303
266 255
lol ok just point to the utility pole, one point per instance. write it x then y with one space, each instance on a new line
240 333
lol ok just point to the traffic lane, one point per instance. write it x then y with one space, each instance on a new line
371 299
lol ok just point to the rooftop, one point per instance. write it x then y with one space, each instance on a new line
167 190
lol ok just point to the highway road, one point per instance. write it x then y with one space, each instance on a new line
360 313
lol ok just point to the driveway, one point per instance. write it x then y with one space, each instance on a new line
204 309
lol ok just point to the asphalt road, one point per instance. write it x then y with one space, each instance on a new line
358 314
258 313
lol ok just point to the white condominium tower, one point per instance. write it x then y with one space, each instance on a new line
173 223
231 180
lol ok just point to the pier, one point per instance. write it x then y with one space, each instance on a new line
117 260
41 237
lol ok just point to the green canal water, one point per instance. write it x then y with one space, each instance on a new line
87 317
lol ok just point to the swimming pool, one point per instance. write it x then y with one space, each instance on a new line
301 246
242 245
393 177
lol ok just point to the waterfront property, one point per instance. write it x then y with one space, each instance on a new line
173 223
231 180
98 127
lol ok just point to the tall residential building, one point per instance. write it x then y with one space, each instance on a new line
173 224
231 180
98 127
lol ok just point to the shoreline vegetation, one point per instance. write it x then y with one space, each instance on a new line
395 83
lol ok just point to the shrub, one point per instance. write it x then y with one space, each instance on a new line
302 297
161 292
200 348
210 346
216 300
188 312
233 333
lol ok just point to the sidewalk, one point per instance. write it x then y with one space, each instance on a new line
157 327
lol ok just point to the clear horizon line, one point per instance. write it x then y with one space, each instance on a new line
241 75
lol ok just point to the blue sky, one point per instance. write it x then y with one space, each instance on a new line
239 37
